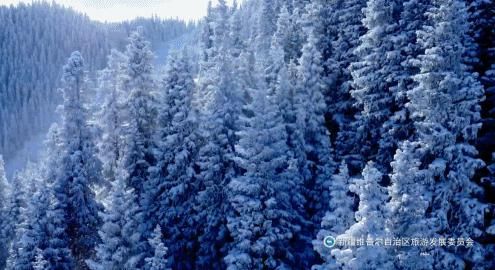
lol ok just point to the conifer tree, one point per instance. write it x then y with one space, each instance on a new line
222 104
370 225
344 26
375 74
140 114
170 192
398 126
311 120
338 218
122 245
445 108
79 169
16 216
262 224
110 83
410 196
32 235
283 93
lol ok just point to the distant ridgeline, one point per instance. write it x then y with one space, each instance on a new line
35 40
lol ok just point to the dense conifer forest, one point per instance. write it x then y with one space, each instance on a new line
278 134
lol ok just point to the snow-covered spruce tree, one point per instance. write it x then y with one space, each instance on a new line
222 104
122 244
370 225
16 215
207 54
445 109
339 217
159 260
168 198
4 218
47 229
343 21
26 186
311 120
399 126
284 96
264 219
140 111
33 238
79 169
55 248
374 75
410 196
110 84
22 246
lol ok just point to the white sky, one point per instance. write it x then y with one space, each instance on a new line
119 10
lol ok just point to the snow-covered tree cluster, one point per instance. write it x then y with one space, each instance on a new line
291 121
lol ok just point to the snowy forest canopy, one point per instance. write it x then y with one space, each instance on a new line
274 125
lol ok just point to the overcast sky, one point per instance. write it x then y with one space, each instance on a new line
118 10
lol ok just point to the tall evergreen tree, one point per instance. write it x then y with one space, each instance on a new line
215 165
285 96
445 109
110 83
79 168
267 25
169 194
311 120
140 113
405 49
55 248
263 222
375 74
344 23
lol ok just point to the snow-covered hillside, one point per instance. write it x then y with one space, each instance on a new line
30 67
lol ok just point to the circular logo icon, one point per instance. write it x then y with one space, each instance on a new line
329 242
